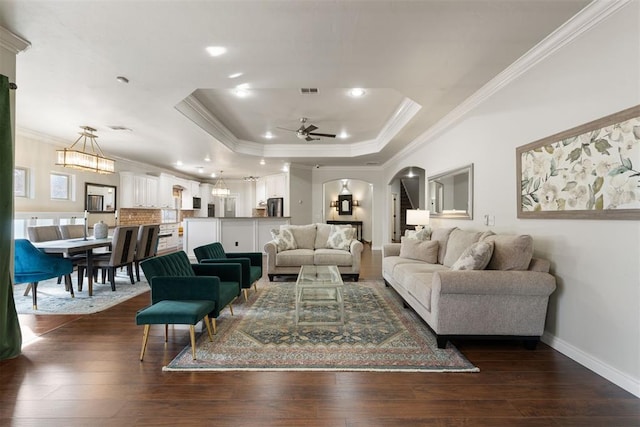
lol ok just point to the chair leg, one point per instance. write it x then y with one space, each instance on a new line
145 338
206 322
255 285
214 326
130 271
231 308
112 278
137 271
166 332
192 333
69 285
34 295
80 277
26 291
246 294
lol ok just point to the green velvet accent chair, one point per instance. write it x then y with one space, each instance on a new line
32 266
175 270
251 262
186 304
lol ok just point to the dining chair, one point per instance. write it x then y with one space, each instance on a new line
32 266
46 233
72 231
122 255
147 245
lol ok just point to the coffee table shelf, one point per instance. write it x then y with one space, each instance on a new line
319 286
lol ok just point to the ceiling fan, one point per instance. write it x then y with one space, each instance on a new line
307 133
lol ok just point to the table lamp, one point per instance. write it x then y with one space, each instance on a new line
417 217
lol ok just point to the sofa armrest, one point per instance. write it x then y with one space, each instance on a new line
493 282
390 249
356 247
227 272
271 249
254 257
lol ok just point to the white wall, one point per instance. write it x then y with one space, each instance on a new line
594 316
300 200
372 175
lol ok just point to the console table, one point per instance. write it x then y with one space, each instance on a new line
356 224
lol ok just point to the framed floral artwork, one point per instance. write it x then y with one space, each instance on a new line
588 172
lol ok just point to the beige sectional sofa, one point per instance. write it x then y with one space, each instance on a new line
508 298
311 245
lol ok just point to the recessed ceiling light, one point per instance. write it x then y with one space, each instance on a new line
268 135
200 169
262 162
285 168
216 50
356 92
179 163
122 79
235 75
343 135
213 175
207 159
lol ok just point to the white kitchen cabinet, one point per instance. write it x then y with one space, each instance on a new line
138 191
195 189
165 191
276 185
261 191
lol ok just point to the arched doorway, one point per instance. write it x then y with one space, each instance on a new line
407 191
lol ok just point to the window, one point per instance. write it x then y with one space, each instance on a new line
60 186
20 182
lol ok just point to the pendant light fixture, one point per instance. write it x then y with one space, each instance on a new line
92 161
220 189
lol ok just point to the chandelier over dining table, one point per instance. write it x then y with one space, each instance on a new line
220 189
80 158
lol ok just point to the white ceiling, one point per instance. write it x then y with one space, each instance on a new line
417 60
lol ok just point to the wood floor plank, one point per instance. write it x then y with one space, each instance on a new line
84 371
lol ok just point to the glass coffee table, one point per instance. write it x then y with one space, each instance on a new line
319 285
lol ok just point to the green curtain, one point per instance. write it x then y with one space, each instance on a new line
10 336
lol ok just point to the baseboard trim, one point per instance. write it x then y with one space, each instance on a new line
630 384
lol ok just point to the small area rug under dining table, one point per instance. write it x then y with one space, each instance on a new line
379 334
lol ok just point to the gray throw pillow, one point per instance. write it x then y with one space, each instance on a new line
475 257
421 250
340 237
284 239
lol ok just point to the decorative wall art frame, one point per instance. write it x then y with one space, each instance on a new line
588 172
345 204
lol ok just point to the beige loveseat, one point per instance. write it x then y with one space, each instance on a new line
311 246
508 298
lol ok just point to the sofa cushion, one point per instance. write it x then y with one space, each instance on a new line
441 235
340 237
459 241
322 235
294 258
390 263
332 257
418 284
475 257
403 272
283 239
305 235
510 252
422 250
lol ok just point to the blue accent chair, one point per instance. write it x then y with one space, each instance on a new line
175 270
32 266
251 262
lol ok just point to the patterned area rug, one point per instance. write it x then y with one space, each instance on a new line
379 335
53 299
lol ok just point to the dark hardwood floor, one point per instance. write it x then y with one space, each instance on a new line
84 371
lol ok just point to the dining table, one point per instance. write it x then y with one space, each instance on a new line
70 247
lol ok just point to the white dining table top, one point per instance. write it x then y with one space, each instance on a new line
73 245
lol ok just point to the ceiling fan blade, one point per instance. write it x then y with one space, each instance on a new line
290 130
325 135
310 128
308 138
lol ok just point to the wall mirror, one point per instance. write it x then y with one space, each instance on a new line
99 198
345 204
451 193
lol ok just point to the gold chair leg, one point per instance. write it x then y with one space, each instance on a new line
166 332
245 291
145 338
192 333
214 326
255 285
231 308
206 322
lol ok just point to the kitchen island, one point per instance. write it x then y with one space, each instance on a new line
237 234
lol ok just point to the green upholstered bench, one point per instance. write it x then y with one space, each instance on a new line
175 313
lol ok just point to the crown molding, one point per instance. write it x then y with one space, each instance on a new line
195 111
13 42
589 17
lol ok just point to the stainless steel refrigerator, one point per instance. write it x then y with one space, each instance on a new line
275 206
